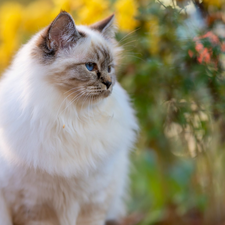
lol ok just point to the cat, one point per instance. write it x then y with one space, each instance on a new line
66 128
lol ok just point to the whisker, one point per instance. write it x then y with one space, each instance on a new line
126 44
63 102
70 90
89 105
74 99
84 100
120 41
91 102
79 89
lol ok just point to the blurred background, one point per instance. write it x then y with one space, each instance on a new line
173 68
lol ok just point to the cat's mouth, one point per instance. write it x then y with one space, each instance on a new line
85 95
99 91
90 96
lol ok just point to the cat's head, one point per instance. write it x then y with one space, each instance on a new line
80 60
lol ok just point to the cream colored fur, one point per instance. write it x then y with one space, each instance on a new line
61 164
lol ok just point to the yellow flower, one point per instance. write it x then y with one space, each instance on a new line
92 11
63 4
126 10
67 5
37 15
10 17
10 27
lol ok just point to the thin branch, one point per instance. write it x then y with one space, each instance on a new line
161 4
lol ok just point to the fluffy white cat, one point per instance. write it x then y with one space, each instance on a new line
66 128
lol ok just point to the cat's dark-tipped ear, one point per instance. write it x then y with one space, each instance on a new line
62 32
106 26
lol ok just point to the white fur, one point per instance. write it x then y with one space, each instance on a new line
69 167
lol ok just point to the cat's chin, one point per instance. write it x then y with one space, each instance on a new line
93 99
100 97
106 93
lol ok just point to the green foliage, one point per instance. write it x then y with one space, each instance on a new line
178 91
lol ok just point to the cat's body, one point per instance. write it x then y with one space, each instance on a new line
63 161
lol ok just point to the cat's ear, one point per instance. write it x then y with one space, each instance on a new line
62 32
106 27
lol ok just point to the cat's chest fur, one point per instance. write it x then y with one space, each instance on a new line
69 143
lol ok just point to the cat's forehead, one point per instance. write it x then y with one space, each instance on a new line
91 33
94 45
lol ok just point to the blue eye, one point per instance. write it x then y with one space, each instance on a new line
90 66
